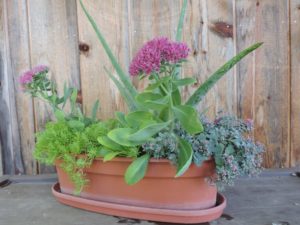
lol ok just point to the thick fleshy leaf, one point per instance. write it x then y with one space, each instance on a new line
188 118
139 118
123 77
184 81
121 136
153 101
109 156
108 143
210 82
185 157
176 97
137 170
147 132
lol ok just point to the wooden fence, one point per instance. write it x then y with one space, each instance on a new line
265 86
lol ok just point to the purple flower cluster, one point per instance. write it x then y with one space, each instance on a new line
27 76
151 56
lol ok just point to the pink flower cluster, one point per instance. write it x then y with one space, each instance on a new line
27 76
150 57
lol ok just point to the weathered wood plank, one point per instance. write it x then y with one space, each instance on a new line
272 81
54 42
9 133
112 19
209 32
295 82
20 61
245 12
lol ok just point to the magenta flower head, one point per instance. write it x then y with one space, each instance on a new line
27 76
155 52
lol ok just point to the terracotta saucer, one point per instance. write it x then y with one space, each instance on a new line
144 213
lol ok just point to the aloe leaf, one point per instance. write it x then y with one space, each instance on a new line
209 83
123 77
124 92
185 157
137 169
179 31
180 22
120 116
188 118
95 109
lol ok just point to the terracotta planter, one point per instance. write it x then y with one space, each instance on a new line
158 190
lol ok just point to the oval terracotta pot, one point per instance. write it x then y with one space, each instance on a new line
158 189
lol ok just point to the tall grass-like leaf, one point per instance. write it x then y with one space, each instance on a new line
131 102
210 82
179 30
180 22
137 169
95 109
123 77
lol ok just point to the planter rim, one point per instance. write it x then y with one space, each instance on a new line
127 159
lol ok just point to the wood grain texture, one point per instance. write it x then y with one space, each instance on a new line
53 42
112 18
295 82
20 60
245 23
210 50
9 132
263 86
272 81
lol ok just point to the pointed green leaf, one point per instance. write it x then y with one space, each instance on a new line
185 157
123 77
95 109
124 92
108 143
121 136
176 97
180 22
188 118
137 169
138 118
184 81
210 82
147 132
109 156
121 118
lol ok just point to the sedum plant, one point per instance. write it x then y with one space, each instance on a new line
160 122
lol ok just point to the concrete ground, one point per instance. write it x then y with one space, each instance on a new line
271 199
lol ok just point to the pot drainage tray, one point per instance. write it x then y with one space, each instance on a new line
144 213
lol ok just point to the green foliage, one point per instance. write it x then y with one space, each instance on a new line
137 170
185 157
228 140
123 77
212 80
77 148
